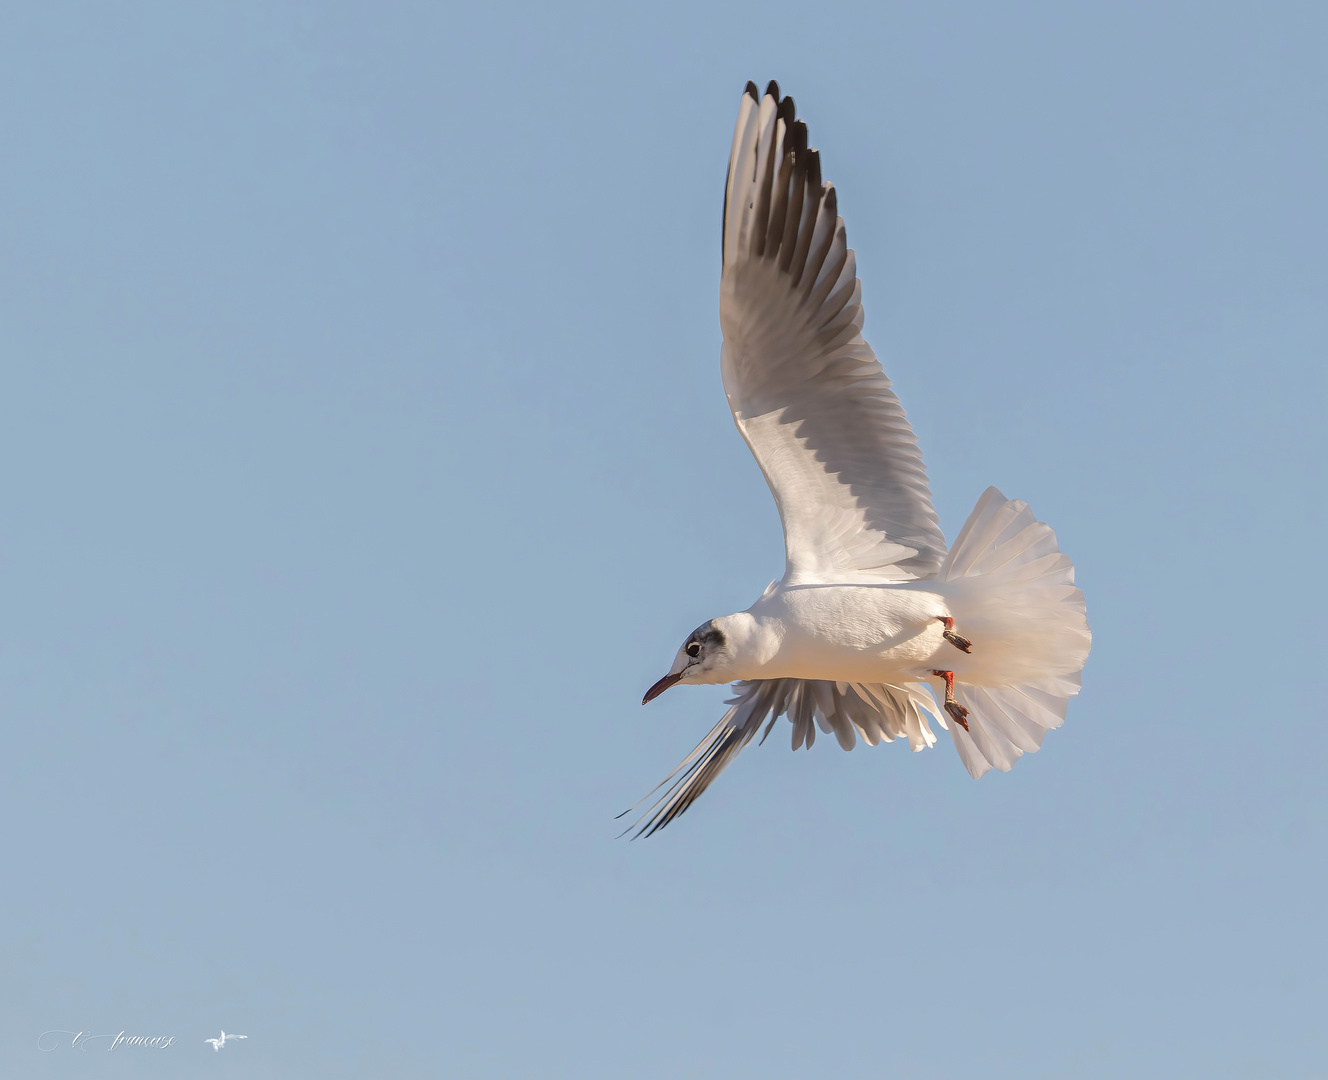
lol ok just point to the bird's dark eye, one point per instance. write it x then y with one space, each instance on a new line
693 648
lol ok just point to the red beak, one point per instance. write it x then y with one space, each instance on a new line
660 687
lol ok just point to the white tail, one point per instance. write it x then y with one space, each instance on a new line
1011 591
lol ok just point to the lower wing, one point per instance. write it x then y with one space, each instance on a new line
876 712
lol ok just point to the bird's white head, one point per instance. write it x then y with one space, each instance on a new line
711 654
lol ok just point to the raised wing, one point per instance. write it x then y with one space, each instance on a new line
847 710
807 393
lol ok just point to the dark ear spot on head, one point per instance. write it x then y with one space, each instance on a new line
715 637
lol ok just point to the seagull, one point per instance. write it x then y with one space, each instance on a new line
217 1044
874 618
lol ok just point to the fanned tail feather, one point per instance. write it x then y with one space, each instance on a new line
1012 590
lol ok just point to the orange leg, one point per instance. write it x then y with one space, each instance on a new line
957 712
960 643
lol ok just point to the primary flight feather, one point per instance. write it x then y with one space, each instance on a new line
872 611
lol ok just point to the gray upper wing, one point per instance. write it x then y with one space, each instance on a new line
807 393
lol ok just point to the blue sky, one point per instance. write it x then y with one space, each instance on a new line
363 458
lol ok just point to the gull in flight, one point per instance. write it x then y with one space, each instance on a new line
873 616
217 1044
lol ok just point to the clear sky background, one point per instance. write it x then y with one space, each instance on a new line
363 458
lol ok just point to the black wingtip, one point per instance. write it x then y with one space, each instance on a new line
786 111
751 89
799 137
773 89
814 169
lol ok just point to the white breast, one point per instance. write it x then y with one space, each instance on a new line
853 633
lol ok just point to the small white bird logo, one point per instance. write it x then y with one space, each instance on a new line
217 1044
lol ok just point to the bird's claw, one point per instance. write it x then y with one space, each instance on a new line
960 643
957 712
